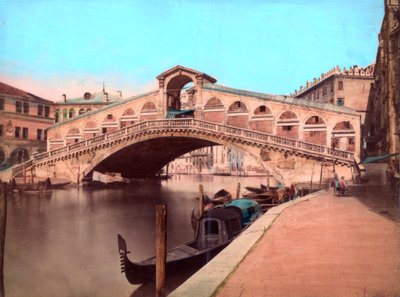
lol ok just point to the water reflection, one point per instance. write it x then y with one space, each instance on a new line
65 244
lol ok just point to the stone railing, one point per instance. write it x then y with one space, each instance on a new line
219 130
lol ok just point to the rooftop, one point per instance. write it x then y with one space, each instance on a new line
353 71
281 99
12 91
96 98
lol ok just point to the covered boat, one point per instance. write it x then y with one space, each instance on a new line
216 229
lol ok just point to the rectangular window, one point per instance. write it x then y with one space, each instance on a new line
40 110
340 101
45 135
287 128
324 90
39 134
47 111
18 106
1 104
26 107
17 132
104 130
1 130
25 133
351 141
340 85
263 108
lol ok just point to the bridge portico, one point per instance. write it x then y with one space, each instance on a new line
137 133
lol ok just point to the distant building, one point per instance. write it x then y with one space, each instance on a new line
216 160
383 116
24 119
72 107
342 87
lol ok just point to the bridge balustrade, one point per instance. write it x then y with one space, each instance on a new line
77 145
40 156
96 140
246 134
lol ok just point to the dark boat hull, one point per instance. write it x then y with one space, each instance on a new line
143 272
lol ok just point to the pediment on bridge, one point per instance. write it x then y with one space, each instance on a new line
200 77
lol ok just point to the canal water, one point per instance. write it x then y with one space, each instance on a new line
65 244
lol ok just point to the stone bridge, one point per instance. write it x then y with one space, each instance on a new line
139 135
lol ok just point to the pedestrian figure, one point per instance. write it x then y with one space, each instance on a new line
343 186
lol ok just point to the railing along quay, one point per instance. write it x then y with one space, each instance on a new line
255 137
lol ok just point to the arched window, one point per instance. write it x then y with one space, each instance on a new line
71 113
65 114
288 125
81 111
57 116
314 130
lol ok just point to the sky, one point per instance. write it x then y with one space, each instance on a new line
50 48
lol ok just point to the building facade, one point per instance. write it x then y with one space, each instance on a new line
24 119
342 87
383 116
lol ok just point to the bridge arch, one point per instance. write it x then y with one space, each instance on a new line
74 135
262 119
149 111
315 130
109 124
19 155
174 90
91 129
238 114
343 136
128 117
141 157
214 110
287 124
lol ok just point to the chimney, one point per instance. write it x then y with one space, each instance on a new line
64 97
105 97
120 94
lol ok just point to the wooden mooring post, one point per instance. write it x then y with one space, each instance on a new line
238 191
201 200
161 248
3 220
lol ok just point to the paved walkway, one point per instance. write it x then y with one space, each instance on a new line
323 246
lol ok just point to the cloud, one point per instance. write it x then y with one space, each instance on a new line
52 88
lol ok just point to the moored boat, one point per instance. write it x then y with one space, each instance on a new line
216 229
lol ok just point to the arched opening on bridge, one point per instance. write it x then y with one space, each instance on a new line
288 125
343 136
91 130
180 97
109 124
148 112
214 111
128 118
18 156
314 130
238 115
262 119
73 136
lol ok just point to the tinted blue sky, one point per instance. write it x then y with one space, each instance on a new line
55 47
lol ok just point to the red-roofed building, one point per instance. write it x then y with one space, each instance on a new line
24 119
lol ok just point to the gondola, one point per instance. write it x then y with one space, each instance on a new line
216 229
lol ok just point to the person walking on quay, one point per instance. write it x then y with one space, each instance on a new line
343 186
